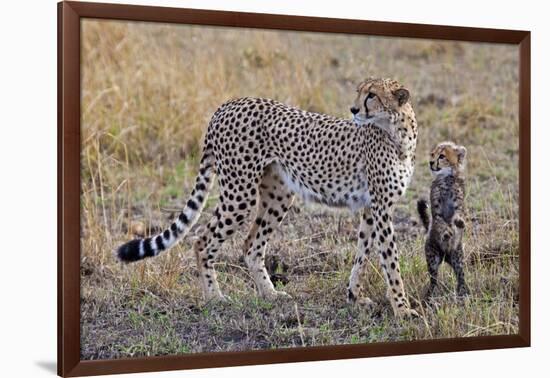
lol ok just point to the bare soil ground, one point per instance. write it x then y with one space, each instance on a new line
148 93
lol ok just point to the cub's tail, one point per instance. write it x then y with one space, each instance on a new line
423 213
139 249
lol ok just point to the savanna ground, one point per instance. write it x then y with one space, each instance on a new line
148 93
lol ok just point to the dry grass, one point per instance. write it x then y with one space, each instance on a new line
148 93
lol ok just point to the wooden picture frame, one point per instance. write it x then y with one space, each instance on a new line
70 15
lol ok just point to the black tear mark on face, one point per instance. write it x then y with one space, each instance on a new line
369 96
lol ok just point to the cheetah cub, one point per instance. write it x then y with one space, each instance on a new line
446 226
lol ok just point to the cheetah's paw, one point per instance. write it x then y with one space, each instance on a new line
276 294
365 303
407 313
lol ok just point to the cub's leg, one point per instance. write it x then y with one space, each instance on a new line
456 261
364 246
384 238
221 226
433 260
275 200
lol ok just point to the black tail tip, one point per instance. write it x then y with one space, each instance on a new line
129 252
422 205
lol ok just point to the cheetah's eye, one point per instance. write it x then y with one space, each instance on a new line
369 96
442 156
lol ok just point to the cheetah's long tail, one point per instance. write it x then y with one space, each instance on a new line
423 213
139 249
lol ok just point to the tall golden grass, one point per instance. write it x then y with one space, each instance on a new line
148 92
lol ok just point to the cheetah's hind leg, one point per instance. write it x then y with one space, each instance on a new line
275 200
222 226
206 248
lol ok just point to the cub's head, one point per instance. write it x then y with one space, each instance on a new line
381 102
447 158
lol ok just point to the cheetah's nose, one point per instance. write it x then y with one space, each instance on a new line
354 110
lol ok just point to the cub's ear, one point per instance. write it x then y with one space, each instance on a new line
461 152
402 96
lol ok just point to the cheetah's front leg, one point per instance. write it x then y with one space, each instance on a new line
384 237
364 246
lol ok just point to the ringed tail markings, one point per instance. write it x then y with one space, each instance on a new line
141 248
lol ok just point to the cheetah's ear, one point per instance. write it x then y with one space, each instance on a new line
402 96
461 153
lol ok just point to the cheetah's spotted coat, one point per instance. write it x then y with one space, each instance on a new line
264 152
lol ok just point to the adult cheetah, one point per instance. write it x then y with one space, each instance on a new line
264 152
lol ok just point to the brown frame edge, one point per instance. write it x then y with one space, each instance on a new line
68 176
262 357
69 15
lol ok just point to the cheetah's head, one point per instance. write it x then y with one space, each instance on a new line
447 158
380 102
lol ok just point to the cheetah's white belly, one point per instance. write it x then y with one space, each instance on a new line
353 199
359 199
